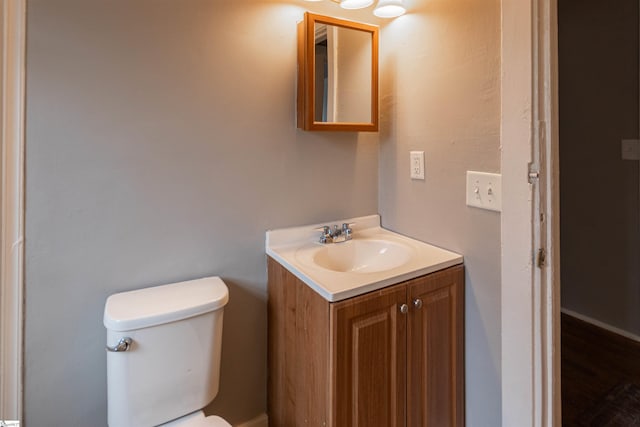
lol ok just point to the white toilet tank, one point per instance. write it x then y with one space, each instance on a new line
172 366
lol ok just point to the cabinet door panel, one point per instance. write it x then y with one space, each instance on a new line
435 355
369 360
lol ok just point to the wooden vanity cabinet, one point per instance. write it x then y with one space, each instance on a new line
389 358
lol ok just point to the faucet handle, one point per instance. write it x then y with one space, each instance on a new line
326 233
347 231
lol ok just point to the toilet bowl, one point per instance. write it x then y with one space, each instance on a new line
163 354
198 419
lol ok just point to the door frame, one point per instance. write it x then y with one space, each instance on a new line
12 208
530 298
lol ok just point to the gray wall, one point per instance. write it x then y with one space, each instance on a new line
600 245
161 144
441 94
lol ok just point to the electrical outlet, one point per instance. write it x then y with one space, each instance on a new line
484 190
417 164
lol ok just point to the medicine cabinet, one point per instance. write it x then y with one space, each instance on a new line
337 75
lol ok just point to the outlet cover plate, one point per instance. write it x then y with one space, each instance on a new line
631 149
417 164
484 190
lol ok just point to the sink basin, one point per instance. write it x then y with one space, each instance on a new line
373 259
362 256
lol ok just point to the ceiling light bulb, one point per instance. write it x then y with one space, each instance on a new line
355 4
389 9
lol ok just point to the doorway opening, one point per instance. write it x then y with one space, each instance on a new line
599 124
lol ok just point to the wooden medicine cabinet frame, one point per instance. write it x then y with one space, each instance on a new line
306 75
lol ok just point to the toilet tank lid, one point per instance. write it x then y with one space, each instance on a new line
142 308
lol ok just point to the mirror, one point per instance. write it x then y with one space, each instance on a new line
337 75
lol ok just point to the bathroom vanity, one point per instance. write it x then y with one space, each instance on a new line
387 352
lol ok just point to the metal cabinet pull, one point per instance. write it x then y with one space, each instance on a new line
404 309
417 303
123 345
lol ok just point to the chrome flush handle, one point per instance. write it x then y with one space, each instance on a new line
123 345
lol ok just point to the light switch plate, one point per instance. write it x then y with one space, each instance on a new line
484 190
631 149
417 164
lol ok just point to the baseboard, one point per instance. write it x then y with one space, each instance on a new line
602 325
260 421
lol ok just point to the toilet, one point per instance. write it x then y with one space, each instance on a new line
163 354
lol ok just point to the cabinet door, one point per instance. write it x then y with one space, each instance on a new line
435 364
368 358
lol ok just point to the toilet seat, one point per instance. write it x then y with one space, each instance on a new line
197 419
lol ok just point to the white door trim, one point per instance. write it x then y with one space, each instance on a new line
530 298
12 208
546 90
518 405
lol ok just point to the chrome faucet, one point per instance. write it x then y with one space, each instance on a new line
337 234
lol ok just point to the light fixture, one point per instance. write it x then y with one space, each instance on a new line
384 8
355 4
389 9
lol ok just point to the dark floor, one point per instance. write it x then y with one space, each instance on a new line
600 373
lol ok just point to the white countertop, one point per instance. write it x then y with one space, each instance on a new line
294 248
